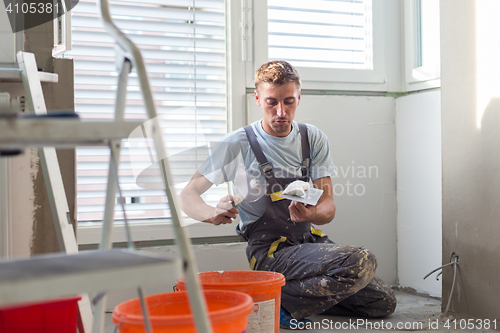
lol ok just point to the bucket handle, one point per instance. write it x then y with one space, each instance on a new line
117 326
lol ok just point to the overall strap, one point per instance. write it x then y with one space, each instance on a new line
266 167
306 150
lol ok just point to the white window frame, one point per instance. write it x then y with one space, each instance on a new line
329 78
62 37
237 69
240 76
427 76
89 233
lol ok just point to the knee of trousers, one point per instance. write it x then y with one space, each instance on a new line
386 306
361 266
391 303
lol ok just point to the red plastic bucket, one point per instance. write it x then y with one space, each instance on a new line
264 287
170 312
53 315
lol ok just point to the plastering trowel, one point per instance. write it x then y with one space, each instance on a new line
302 192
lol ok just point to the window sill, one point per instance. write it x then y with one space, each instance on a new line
152 230
423 85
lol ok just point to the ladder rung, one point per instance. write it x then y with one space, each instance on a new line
61 132
13 74
58 275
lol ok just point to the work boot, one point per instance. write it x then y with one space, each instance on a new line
286 321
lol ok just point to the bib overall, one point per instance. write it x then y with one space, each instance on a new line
321 276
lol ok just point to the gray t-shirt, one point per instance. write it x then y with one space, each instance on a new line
285 153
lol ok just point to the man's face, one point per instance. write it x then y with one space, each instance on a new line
278 103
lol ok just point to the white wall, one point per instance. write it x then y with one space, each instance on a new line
362 136
215 257
7 38
418 154
470 105
23 170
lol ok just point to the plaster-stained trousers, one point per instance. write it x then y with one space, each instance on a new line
321 277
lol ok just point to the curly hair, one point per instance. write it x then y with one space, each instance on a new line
277 72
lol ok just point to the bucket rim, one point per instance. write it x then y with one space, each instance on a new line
247 302
278 281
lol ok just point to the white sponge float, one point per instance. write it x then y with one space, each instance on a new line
297 188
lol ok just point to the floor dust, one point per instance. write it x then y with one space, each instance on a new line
414 313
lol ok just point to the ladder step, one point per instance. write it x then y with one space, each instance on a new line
10 74
58 275
61 132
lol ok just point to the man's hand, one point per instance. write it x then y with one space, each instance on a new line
301 213
194 206
322 213
224 212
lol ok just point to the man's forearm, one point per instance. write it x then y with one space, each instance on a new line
194 206
325 212
325 208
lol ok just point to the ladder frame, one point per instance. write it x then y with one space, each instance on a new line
189 267
57 197
53 179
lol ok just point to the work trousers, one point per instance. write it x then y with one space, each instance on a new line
327 278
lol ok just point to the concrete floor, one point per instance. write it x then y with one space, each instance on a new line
413 313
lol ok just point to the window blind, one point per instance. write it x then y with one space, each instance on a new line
183 45
321 33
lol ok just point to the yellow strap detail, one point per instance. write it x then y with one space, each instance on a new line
317 232
276 196
274 246
252 262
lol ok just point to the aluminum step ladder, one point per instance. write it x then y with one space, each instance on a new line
131 55
25 271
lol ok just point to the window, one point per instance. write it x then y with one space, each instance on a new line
330 42
321 34
422 44
62 29
184 46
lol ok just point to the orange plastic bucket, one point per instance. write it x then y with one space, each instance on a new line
170 312
264 287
